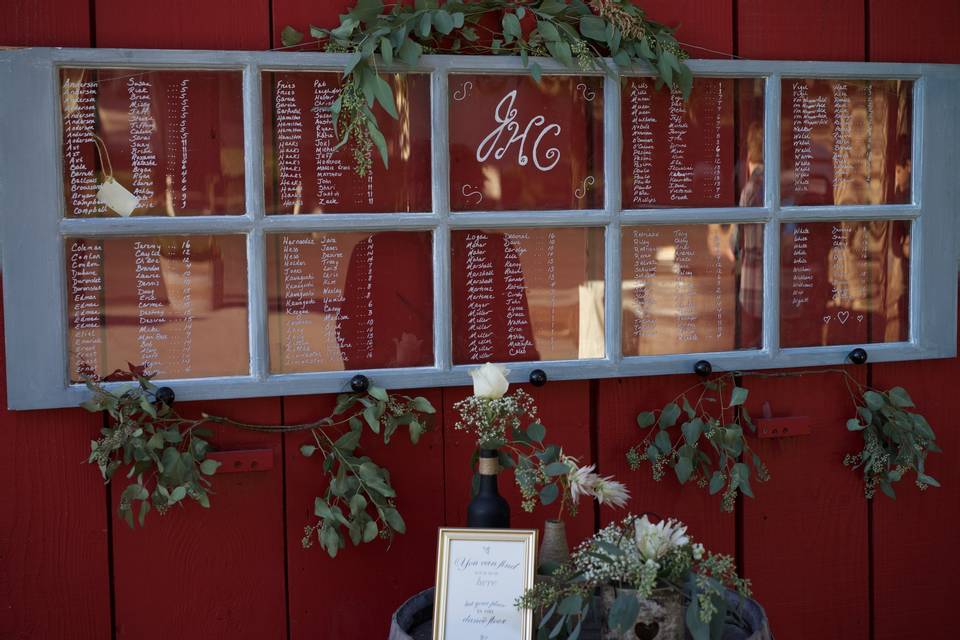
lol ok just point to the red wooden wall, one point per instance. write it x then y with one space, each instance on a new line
825 563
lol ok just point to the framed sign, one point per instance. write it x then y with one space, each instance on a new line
480 574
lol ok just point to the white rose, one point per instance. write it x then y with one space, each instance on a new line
490 381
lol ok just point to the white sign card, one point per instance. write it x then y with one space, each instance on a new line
480 575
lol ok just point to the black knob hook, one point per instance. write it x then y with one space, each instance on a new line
703 368
538 377
165 395
359 383
858 356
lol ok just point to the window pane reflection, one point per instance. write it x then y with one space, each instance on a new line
844 282
174 305
516 144
174 139
304 174
527 294
706 151
349 300
691 288
846 141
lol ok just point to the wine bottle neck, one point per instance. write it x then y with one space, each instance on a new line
489 467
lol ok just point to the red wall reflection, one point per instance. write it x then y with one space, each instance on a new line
173 138
516 144
303 173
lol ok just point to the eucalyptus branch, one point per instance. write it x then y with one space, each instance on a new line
578 34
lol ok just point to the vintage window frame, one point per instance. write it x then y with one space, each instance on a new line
32 202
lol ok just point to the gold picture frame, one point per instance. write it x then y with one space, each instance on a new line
480 573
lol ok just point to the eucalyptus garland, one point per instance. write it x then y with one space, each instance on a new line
710 447
166 456
580 35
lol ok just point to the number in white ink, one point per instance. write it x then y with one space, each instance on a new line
468 191
582 191
505 116
586 93
461 93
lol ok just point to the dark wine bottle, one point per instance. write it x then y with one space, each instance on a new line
488 509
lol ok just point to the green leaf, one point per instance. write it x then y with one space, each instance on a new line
410 51
307 450
394 519
691 431
367 10
536 72
645 419
665 69
652 453
549 493
511 26
148 407
716 482
379 141
178 494
738 396
290 37
378 393
874 400
548 31
624 612
594 28
663 442
386 50
209 467
426 22
570 605
688 409
556 469
422 405
550 454
458 19
900 398
372 415
443 21
854 425
370 530
561 51
321 509
357 504
536 432
887 489
699 630
348 441
669 415
416 430
683 469
925 479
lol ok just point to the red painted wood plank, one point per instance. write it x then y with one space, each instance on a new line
805 533
564 409
354 594
300 14
703 28
54 577
618 403
183 24
45 23
811 30
223 567
922 32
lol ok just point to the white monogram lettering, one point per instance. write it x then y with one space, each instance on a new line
505 116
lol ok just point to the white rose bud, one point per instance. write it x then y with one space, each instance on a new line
490 381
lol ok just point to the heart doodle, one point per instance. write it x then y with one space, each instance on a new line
860 317
843 316
646 630
826 319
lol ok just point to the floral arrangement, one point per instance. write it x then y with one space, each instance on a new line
543 472
578 34
167 456
635 560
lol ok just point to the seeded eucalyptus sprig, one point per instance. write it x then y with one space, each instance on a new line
167 456
709 447
578 34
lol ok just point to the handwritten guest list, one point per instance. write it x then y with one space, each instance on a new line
304 173
173 138
691 288
844 282
175 305
527 294
679 153
518 144
336 301
846 141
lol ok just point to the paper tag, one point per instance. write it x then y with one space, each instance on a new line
115 195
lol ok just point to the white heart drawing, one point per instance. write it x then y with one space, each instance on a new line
826 319
860 318
843 316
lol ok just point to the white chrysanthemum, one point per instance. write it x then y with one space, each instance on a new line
657 540
582 480
609 491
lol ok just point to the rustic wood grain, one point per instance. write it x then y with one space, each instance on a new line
45 23
811 30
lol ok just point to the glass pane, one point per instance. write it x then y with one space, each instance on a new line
173 139
706 152
303 173
527 294
844 282
691 288
516 144
174 305
846 141
350 300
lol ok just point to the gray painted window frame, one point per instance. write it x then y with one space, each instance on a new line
31 198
